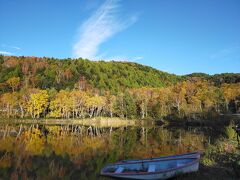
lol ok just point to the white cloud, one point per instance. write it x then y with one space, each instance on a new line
99 27
17 48
123 58
137 58
6 53
116 58
12 47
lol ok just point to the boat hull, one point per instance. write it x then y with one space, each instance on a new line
154 168
159 175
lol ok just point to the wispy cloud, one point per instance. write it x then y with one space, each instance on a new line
17 48
137 58
5 53
226 52
99 27
123 58
12 47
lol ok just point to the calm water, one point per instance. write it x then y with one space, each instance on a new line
35 151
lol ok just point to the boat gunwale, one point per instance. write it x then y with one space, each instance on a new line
154 159
134 161
156 172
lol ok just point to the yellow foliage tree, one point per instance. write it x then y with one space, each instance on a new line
8 103
38 103
14 83
110 102
62 105
79 99
231 92
95 104
178 96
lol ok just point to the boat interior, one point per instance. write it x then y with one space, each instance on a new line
151 167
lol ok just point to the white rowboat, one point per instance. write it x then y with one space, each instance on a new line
156 168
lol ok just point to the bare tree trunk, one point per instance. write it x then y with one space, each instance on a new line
5 132
146 110
226 105
8 111
22 111
235 103
19 132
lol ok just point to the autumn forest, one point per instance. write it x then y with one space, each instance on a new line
32 87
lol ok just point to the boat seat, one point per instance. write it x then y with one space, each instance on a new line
179 164
151 168
119 170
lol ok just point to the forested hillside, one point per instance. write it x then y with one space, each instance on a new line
66 73
76 88
217 79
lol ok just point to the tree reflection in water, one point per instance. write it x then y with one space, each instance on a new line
74 151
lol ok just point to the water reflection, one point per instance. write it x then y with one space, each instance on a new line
36 151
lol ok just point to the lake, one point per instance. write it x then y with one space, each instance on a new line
72 150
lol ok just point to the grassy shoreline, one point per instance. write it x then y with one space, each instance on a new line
99 121
220 160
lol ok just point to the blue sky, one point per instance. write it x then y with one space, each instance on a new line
176 36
